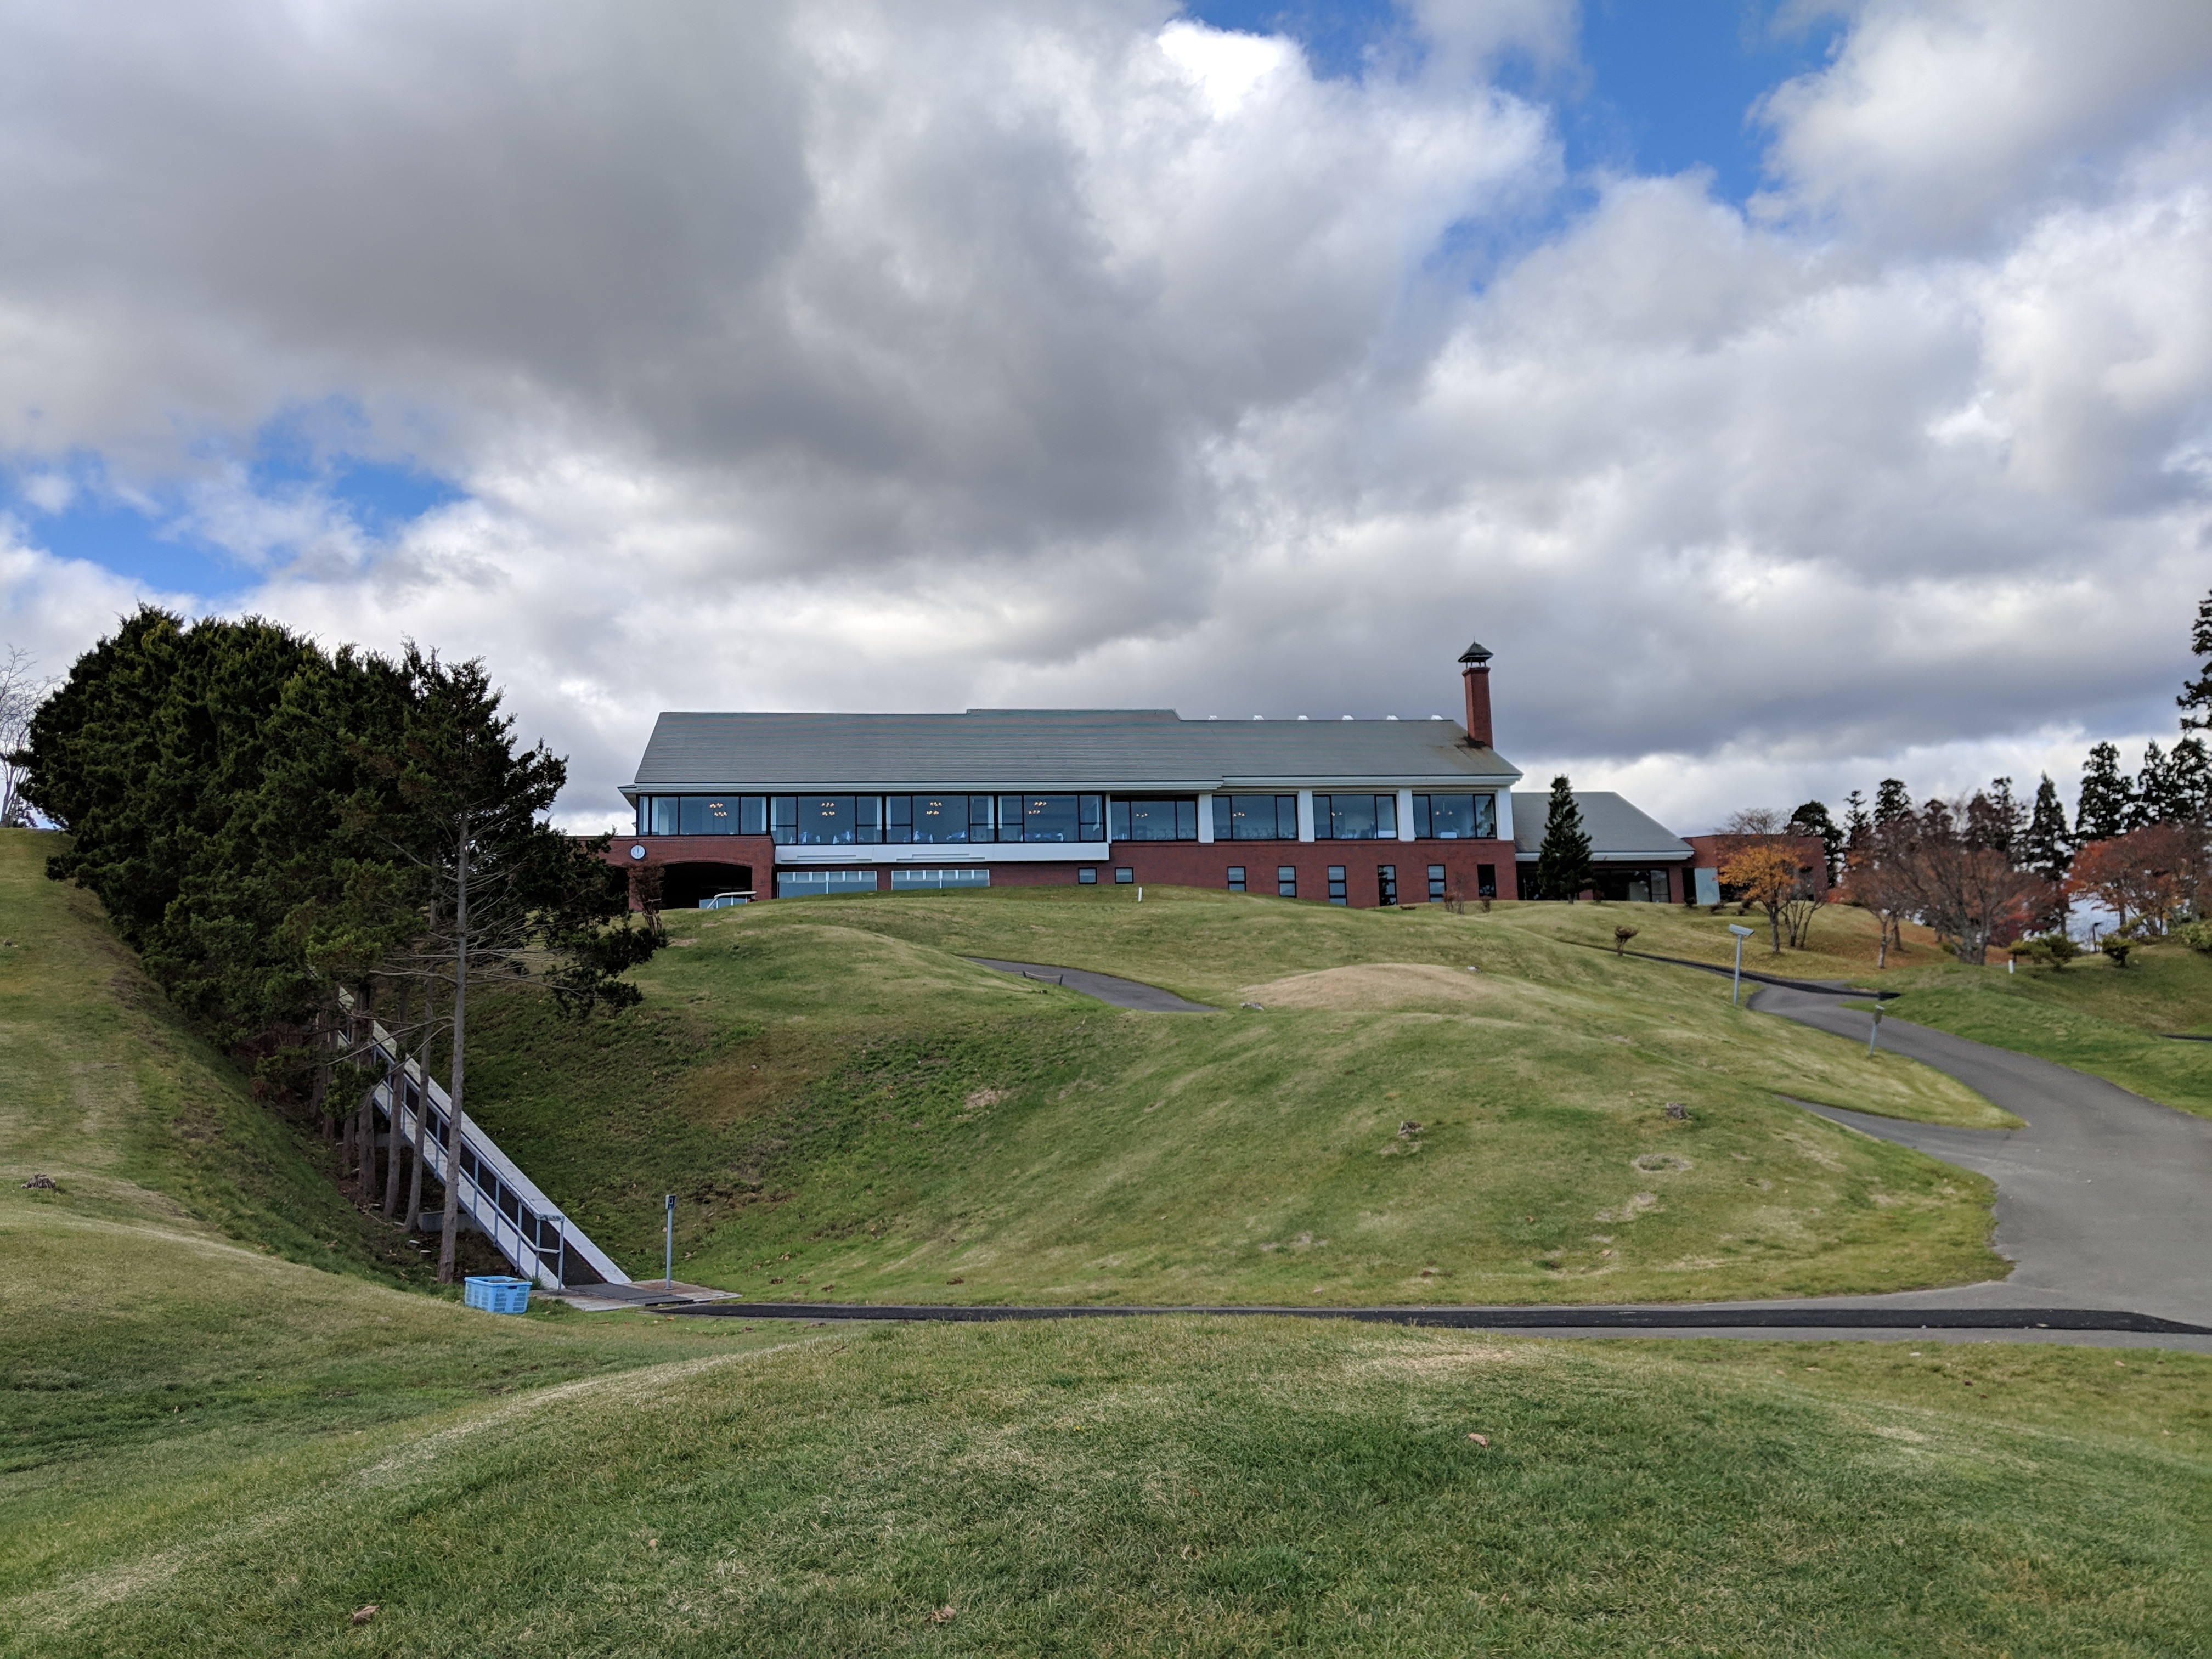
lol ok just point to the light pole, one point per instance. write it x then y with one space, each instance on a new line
1741 934
671 1210
1875 1030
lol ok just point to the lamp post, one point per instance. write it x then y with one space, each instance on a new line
669 1208
1736 985
1874 1031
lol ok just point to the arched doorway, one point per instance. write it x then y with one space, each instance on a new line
683 886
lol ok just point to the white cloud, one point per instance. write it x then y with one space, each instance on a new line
865 356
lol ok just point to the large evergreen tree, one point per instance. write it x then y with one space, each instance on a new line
1813 819
2047 848
2196 698
1563 859
2190 771
2101 811
1856 820
1892 799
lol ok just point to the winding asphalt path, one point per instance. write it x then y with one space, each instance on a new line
1121 993
2104 1203
2104 1198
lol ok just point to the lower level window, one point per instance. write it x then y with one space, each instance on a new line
1235 878
967 876
1125 877
1386 884
1286 881
1436 881
1336 893
806 884
1486 881
1087 875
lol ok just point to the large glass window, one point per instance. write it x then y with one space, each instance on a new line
906 881
1455 818
1255 818
927 820
1051 817
664 814
1355 817
709 815
829 820
1153 817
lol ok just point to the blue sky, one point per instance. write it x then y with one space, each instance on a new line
1664 86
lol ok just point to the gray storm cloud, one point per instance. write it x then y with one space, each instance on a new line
843 355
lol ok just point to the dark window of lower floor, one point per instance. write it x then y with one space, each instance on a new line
1486 881
1524 877
1286 881
1436 881
1386 884
1088 875
1235 878
1337 895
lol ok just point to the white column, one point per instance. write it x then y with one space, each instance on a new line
1205 820
1405 815
1305 815
1504 799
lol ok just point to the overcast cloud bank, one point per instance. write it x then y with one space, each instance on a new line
871 356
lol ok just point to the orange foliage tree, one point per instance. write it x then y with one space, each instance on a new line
2147 874
1765 873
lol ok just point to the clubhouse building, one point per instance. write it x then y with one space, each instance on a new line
1355 812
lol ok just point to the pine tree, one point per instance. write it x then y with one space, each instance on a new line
2046 846
2101 811
1813 819
2189 767
1892 800
2196 698
2162 793
1857 823
1563 860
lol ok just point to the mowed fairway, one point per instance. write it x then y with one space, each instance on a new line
848 1108
207 1448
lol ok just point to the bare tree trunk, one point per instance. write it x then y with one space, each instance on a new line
421 1086
396 1087
321 1095
445 1237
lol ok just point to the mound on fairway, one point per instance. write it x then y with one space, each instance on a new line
848 1108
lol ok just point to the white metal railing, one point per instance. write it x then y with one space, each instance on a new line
524 1225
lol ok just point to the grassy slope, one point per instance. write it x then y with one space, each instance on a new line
847 1109
208 1449
2092 1016
1184 1485
102 1087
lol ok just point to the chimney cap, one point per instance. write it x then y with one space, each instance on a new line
1475 654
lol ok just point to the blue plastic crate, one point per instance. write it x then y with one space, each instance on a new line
497 1295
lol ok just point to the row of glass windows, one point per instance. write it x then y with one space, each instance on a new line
928 820
873 820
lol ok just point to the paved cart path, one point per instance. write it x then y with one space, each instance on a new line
1121 993
2104 1199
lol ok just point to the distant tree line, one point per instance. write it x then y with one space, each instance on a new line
294 841
1990 870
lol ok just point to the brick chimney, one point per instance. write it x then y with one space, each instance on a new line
1474 669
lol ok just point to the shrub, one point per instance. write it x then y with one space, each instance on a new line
2197 935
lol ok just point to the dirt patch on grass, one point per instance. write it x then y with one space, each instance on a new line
1374 985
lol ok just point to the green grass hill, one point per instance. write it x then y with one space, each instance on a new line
847 1108
230 1427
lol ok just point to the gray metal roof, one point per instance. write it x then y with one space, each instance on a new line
1618 831
1113 749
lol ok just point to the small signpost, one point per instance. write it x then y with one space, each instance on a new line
1736 987
1875 1030
671 1210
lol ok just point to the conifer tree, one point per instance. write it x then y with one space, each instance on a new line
1892 800
2189 770
1813 819
2046 846
2151 801
1857 821
2196 698
2101 810
1563 860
